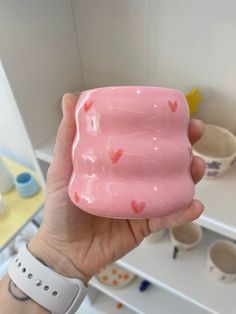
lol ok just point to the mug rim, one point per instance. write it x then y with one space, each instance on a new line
200 230
215 243
26 183
211 156
133 86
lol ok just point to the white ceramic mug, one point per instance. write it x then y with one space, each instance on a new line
218 148
186 236
221 262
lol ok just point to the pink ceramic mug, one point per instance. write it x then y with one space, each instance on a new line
131 153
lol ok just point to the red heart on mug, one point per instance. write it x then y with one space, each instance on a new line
88 105
77 197
173 105
115 155
137 207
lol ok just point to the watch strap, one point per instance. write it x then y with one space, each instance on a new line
56 293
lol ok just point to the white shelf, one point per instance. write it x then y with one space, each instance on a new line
45 151
217 195
219 198
148 301
187 276
101 305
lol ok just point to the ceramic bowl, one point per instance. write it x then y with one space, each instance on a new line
221 262
114 276
218 148
131 152
186 236
25 184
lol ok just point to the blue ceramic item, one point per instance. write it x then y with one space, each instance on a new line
26 184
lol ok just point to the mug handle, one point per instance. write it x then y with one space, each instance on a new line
175 252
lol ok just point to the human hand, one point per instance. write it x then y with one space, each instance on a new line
78 244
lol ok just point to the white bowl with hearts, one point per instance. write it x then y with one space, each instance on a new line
218 148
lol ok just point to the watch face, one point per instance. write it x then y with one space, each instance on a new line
115 276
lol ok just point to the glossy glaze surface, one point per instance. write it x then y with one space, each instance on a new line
131 153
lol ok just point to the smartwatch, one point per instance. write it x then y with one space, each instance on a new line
54 292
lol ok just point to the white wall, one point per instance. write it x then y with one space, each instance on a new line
14 142
38 48
170 43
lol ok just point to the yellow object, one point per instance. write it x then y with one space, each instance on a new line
19 210
193 99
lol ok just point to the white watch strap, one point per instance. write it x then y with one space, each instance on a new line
56 293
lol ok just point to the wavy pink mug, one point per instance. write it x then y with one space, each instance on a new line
131 153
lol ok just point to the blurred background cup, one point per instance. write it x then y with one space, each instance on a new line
185 237
26 184
6 178
154 237
218 148
221 262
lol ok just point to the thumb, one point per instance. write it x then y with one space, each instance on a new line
61 166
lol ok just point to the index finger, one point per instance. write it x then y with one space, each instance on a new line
196 130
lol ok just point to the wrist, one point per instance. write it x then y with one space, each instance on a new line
52 257
42 285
